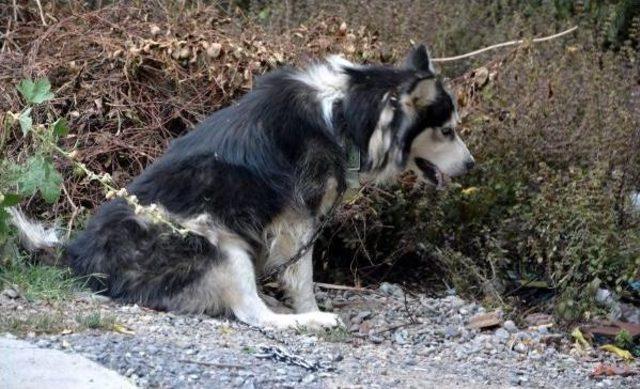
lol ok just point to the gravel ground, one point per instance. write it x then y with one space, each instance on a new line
392 340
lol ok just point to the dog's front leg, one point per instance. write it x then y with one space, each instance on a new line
297 281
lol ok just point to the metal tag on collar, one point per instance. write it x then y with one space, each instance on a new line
353 165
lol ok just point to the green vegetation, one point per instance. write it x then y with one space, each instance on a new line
40 323
96 320
39 282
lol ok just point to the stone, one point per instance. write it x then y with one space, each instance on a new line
520 348
52 366
502 335
486 320
510 326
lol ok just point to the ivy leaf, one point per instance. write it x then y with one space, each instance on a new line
40 174
60 128
25 121
35 92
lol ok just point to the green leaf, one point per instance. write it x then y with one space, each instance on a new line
36 92
9 199
25 121
60 128
40 174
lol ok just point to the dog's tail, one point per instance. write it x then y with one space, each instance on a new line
34 236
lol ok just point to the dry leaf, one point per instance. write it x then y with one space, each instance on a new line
581 342
122 329
624 354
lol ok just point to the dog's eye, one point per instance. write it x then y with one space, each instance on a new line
446 131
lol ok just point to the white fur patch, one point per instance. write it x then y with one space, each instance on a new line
329 80
284 236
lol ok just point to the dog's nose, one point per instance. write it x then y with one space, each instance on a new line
470 164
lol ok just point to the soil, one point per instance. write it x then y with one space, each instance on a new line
390 340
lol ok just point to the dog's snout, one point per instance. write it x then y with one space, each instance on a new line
470 164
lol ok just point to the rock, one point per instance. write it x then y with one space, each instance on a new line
309 378
11 292
400 336
502 335
607 299
486 320
510 326
452 331
391 290
520 348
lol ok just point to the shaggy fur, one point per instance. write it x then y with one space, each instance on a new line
253 180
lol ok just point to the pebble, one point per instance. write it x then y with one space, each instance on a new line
11 293
520 348
510 326
309 378
452 331
502 335
437 343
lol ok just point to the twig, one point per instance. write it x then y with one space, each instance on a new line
214 364
44 22
15 11
406 308
395 327
74 214
342 287
504 44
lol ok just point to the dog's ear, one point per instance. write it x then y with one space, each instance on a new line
419 60
422 93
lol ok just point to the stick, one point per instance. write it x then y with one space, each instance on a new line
504 44
44 23
342 287
214 364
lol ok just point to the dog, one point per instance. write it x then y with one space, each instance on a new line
253 181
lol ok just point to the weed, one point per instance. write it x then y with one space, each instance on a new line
95 320
41 323
40 282
624 340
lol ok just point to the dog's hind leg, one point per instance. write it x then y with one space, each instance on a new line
236 283
297 281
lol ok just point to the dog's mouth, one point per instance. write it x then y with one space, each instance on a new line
432 174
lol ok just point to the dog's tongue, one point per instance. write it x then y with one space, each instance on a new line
431 172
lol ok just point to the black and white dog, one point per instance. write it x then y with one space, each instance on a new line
253 180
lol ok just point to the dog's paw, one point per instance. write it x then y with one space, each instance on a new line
318 320
310 320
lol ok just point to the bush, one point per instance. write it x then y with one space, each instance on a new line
547 213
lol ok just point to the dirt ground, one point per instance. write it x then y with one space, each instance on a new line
390 340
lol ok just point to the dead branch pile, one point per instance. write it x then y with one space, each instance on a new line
131 77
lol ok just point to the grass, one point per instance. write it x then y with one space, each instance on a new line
41 323
40 282
95 320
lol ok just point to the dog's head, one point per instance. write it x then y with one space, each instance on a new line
415 122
